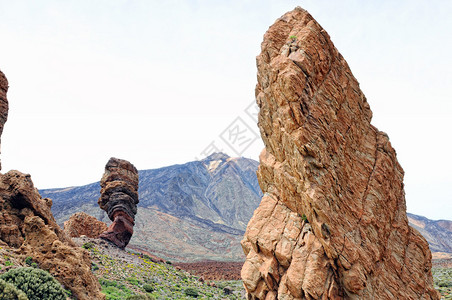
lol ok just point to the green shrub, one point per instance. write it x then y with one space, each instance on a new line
114 290
445 284
8 263
138 297
191 292
133 280
148 288
88 245
37 284
145 256
94 267
10 292
29 260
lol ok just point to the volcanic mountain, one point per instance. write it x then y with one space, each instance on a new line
198 210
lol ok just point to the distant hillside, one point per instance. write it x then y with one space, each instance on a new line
437 233
197 210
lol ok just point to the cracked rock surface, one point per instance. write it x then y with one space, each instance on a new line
332 223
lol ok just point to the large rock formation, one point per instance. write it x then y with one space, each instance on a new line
3 104
27 226
332 221
28 229
83 224
119 198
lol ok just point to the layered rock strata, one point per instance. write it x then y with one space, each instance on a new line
119 198
332 222
83 224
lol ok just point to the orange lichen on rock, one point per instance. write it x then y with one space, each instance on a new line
332 223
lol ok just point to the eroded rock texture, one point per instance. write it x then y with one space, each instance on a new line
119 198
324 162
27 226
3 104
83 224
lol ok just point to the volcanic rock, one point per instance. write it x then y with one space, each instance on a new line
332 222
119 198
3 104
83 224
27 226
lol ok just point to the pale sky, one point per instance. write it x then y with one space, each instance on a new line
162 82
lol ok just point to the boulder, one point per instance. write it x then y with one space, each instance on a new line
28 227
83 224
332 222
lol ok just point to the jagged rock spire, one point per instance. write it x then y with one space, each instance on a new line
332 222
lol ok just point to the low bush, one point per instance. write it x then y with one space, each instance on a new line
191 292
114 290
37 284
133 280
148 288
88 245
29 260
94 267
138 297
10 292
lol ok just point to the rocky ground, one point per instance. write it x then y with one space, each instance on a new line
126 273
442 263
123 274
213 270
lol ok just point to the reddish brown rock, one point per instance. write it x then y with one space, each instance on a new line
3 104
28 227
119 198
332 223
83 224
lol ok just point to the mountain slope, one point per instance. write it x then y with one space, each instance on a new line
437 233
197 210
